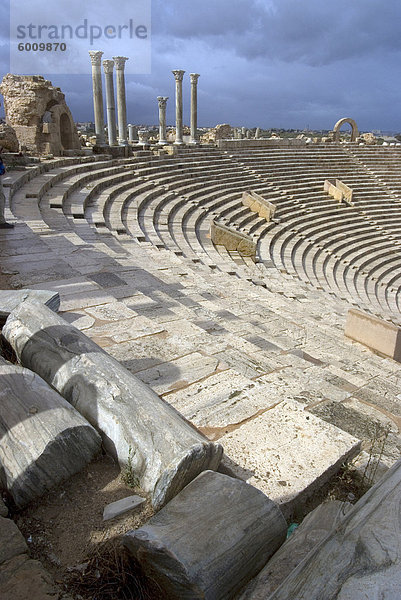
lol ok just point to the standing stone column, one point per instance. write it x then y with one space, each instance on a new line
96 58
257 133
162 100
131 133
108 66
194 108
178 105
119 62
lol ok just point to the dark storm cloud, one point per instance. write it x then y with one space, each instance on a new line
311 32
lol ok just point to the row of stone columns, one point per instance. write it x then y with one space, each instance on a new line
119 63
108 66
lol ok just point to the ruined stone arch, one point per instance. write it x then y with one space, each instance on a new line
340 123
39 114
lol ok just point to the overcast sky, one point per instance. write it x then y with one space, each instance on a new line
266 63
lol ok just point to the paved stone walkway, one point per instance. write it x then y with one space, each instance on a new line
250 355
230 344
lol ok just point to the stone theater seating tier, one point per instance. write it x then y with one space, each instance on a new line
141 430
43 439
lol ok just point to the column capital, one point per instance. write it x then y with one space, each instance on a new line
96 57
162 100
120 61
108 66
194 77
178 74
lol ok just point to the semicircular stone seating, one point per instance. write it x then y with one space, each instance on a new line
126 244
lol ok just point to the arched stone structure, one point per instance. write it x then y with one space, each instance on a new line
39 114
340 123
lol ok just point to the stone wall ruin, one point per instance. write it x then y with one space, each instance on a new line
38 113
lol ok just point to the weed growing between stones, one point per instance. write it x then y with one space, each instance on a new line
352 483
378 440
110 574
128 474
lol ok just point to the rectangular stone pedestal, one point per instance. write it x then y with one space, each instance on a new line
375 333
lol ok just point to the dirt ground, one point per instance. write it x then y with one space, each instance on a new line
67 524
65 528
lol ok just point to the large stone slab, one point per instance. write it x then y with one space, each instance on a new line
9 299
179 372
223 399
288 453
43 439
210 539
361 557
138 428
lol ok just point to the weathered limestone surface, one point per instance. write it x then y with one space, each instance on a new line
22 578
210 539
339 191
369 139
313 529
288 453
43 439
232 240
223 399
346 190
166 452
9 299
361 557
38 113
331 189
8 138
375 333
256 203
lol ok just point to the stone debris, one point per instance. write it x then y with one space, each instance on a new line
210 539
115 509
